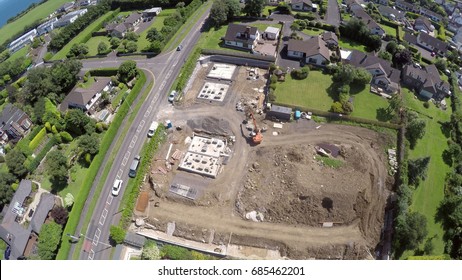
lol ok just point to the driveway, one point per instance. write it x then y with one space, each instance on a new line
333 13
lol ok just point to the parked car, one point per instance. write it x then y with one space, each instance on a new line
116 187
134 166
179 47
172 96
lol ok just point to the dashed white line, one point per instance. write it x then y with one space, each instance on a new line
124 161
109 199
119 173
104 213
146 114
102 220
91 255
127 154
132 144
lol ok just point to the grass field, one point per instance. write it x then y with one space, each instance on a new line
78 39
389 30
345 43
312 92
158 23
312 32
94 42
429 193
40 12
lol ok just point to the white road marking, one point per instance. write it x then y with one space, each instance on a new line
109 199
102 220
104 213
146 114
124 161
132 144
127 154
119 173
91 255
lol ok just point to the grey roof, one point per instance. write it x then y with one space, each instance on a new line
431 13
12 117
47 201
82 96
308 2
360 13
11 232
405 4
111 26
134 239
329 35
429 77
121 28
411 39
386 10
369 61
134 17
433 42
66 6
311 47
242 30
423 21
281 109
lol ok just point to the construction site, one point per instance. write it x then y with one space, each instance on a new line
234 182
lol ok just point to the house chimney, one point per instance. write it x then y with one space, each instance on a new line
247 32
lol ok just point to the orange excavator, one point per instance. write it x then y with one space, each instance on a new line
256 135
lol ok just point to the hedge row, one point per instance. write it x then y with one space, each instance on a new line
133 187
236 54
389 23
34 131
103 72
99 26
38 158
337 116
74 215
35 142
187 69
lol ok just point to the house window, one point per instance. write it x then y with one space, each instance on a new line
26 124
312 60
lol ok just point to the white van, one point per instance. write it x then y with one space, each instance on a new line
152 128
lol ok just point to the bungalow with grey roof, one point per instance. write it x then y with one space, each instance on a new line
241 36
391 13
14 124
406 6
359 12
430 14
426 81
85 99
312 51
422 24
302 5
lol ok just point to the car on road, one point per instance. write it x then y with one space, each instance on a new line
172 96
116 187
179 47
134 166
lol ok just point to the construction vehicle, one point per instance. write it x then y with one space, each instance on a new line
256 135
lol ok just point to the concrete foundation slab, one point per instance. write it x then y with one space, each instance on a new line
222 71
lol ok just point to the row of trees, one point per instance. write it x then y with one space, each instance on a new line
357 30
224 11
9 70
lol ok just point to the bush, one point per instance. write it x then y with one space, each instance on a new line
426 104
58 138
48 126
67 138
54 130
117 234
88 158
301 73
35 142
38 158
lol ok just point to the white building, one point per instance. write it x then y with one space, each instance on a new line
46 26
70 18
271 33
25 39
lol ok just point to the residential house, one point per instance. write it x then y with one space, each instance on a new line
150 13
302 5
430 14
14 229
46 27
359 12
84 3
391 13
406 6
118 31
457 39
14 124
431 43
384 77
312 51
426 81
70 18
241 36
133 20
330 38
422 24
271 33
86 98
66 7
25 39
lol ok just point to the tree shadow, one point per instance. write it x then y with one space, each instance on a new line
447 157
332 91
355 89
58 184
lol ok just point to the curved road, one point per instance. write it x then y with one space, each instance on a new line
163 68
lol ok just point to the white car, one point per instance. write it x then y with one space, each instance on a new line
117 186
171 96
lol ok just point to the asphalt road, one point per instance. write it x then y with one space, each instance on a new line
333 13
163 69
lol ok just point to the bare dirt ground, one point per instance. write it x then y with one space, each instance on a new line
281 180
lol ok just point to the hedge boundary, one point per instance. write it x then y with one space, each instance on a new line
74 215
35 142
236 54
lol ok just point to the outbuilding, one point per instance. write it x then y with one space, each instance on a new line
280 113
272 33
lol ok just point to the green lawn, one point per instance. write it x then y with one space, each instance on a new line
40 12
346 43
266 12
367 105
312 92
79 38
431 191
389 30
94 42
158 23
313 32
21 53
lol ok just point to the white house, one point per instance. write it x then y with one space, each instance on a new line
271 33
302 5
150 13
312 51
85 99
70 18
241 36
25 39
46 26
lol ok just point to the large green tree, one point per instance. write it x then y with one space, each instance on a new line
218 13
56 164
415 128
254 7
410 230
76 122
417 170
127 71
154 35
15 162
49 238
89 144
6 192
117 234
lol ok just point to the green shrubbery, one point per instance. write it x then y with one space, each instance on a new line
35 142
